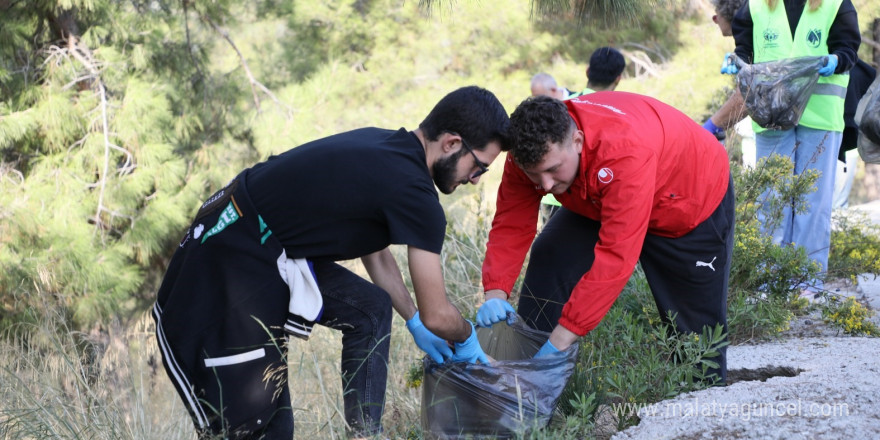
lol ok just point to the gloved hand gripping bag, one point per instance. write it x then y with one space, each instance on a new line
776 92
510 397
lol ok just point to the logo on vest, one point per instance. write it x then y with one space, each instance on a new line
814 37
605 175
770 37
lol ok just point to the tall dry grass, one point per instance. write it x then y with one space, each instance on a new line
110 384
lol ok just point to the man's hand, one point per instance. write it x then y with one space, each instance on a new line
728 66
492 311
714 129
434 346
829 67
560 339
546 350
470 350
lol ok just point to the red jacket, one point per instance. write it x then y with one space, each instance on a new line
646 168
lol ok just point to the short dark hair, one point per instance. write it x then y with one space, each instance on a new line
606 64
537 121
727 8
472 112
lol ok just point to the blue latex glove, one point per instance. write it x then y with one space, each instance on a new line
728 66
830 65
547 349
470 350
492 311
714 129
430 343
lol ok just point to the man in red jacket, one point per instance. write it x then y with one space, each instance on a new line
638 181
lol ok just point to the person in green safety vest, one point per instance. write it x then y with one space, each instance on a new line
765 30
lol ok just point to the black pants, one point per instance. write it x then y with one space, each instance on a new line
688 275
219 316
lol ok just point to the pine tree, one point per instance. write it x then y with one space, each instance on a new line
109 119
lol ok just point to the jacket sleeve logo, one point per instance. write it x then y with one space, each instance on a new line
606 175
229 215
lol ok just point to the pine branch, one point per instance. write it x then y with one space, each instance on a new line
642 62
6 170
84 56
196 63
253 81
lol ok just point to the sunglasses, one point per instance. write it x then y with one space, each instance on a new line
483 168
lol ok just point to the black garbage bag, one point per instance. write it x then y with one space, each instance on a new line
776 92
508 398
868 119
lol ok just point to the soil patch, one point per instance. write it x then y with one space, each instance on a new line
760 374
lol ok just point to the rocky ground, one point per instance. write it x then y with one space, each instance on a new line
815 382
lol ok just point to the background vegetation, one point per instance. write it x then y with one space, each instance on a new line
117 117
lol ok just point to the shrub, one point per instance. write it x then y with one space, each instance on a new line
855 247
851 316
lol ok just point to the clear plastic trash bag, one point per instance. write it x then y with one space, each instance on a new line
868 119
776 92
508 398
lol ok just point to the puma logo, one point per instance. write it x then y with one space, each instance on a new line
709 264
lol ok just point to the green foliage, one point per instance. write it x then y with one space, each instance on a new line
109 142
633 357
640 25
759 264
765 277
94 189
850 316
855 247
753 316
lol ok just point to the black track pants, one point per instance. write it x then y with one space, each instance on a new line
687 275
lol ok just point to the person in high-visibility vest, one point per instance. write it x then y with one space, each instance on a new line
765 30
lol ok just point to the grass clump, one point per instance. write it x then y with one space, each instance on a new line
634 358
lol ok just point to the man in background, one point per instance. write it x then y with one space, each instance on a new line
731 114
543 84
604 71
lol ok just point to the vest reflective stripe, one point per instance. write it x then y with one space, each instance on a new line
830 90
773 41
